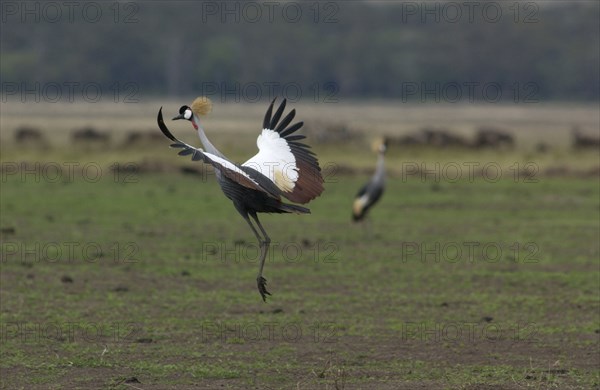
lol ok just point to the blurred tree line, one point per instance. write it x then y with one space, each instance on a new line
323 50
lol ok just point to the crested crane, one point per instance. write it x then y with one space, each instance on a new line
370 193
283 167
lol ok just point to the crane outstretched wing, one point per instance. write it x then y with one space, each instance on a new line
244 176
285 161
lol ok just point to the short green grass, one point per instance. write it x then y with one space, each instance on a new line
448 285
147 280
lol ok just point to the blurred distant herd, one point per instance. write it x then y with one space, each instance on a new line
485 137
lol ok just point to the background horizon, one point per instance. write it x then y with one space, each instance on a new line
488 51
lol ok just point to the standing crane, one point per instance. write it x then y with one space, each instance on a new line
283 167
370 193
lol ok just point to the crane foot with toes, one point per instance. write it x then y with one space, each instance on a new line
262 287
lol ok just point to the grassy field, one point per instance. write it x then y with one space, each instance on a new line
145 279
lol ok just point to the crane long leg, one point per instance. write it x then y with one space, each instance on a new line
264 246
258 236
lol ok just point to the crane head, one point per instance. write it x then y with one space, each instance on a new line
384 145
185 112
200 107
379 145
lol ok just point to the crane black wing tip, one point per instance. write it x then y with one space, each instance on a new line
270 121
159 118
163 127
268 114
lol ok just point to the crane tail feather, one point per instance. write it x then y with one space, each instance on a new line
292 208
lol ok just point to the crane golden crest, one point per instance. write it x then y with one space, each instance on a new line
202 106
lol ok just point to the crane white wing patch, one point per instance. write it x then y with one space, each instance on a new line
275 160
360 203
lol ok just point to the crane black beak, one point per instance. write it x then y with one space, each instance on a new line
180 116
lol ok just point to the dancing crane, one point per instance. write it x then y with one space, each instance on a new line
283 167
370 193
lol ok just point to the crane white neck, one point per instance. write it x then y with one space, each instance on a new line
380 162
380 170
208 146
